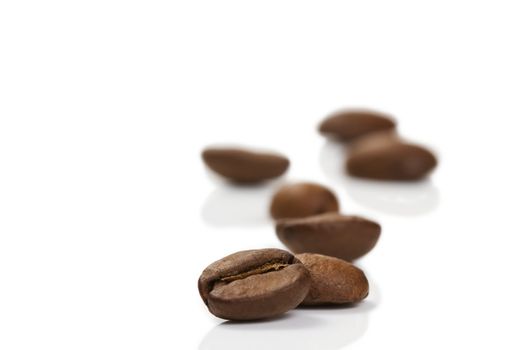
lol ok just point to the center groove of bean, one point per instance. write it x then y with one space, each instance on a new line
271 266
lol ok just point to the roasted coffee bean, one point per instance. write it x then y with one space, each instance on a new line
351 124
254 284
302 199
345 237
334 281
386 157
241 165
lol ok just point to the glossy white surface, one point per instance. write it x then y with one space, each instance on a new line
108 216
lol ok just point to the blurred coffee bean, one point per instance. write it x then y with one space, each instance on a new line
386 157
351 124
302 199
334 281
342 236
254 284
241 165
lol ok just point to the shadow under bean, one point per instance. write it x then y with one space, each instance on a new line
308 327
238 205
299 329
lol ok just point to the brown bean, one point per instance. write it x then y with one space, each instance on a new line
254 284
242 165
334 281
386 157
302 199
341 236
351 124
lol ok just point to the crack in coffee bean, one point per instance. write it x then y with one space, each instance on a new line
274 266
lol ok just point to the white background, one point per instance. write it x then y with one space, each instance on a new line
108 216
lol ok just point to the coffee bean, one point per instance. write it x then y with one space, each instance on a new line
254 284
334 281
386 157
345 237
351 124
302 199
241 165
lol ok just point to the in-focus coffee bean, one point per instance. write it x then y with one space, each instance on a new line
242 165
351 124
302 199
254 284
334 281
342 236
387 157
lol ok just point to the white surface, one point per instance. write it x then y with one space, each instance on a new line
107 215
